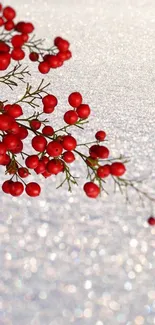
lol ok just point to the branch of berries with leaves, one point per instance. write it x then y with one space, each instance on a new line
53 150
15 40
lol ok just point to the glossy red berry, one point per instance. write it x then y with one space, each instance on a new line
45 160
54 149
27 28
151 221
17 41
34 56
10 141
83 111
32 161
39 143
68 157
33 189
57 39
40 168
3 148
15 110
71 117
23 132
14 129
4 47
91 189
19 26
9 13
44 67
23 172
18 148
102 152
53 61
1 21
48 110
9 25
75 99
63 45
55 166
48 130
6 186
100 135
103 171
5 59
5 159
16 188
25 37
50 101
117 169
35 124
93 151
69 143
17 54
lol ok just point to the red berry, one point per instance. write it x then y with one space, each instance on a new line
61 56
9 13
102 152
75 99
43 67
69 143
25 37
10 141
46 174
17 54
63 45
32 161
5 59
68 157
48 110
15 110
55 166
6 186
53 61
14 129
27 28
70 117
151 221
93 151
23 172
9 25
117 169
68 54
50 100
19 27
57 39
23 132
34 56
1 21
83 111
3 148
39 143
100 135
5 160
4 47
16 188
40 168
54 149
1 7
33 189
17 41
48 130
45 160
91 189
35 124
103 171
18 148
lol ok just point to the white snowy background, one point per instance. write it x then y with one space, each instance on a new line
66 259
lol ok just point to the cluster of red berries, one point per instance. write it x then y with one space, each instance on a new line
54 149
18 39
